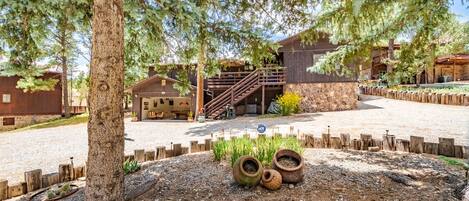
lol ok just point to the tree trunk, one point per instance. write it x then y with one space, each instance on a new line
63 58
200 72
105 176
389 67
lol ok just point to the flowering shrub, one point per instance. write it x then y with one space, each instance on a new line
289 103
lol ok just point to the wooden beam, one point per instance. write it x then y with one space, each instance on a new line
263 99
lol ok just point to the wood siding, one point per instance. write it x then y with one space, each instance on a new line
297 57
30 103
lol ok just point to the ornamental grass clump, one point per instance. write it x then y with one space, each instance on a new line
131 167
289 103
240 147
220 149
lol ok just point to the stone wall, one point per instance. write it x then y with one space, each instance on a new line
324 97
25 120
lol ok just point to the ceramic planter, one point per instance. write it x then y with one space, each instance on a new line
292 173
247 171
271 179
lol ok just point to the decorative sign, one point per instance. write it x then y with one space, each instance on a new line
261 128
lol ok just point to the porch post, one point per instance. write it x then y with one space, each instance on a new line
263 99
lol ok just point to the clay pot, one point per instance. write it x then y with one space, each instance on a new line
292 171
271 179
247 171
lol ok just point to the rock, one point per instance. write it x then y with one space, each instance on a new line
291 186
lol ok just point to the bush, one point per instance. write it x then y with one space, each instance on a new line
289 103
130 167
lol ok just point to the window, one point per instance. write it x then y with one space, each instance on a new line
10 121
6 98
317 57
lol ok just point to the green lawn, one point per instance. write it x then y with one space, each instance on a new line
79 119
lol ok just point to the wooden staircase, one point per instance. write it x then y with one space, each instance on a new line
243 88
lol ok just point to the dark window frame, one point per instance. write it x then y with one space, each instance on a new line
8 121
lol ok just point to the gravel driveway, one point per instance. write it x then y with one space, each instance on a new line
46 148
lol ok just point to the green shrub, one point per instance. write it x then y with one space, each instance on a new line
289 103
219 149
130 167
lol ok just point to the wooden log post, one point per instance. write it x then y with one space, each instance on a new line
139 155
367 141
50 179
356 144
402 145
309 141
18 189
65 172
317 142
431 148
416 144
374 149
389 142
185 150
208 144
446 147
149 155
335 143
177 148
458 151
79 171
466 152
201 147
194 146
377 143
33 180
3 189
326 140
345 140
169 153
160 152
128 157
466 100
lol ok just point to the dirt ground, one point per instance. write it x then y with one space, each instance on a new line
329 175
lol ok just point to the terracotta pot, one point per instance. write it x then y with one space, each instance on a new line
289 174
271 179
247 171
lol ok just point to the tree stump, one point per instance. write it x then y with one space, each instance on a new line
458 151
160 152
416 144
139 155
149 155
446 147
402 145
431 148
317 141
65 172
50 179
367 141
33 180
208 144
326 140
3 189
177 148
389 142
345 140
194 146
336 143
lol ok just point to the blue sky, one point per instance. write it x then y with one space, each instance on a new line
460 9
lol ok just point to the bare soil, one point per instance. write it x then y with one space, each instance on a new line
329 175
288 162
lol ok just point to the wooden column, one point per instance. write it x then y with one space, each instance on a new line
208 144
194 146
458 151
65 172
416 144
367 141
345 140
177 148
263 99
402 145
50 179
33 180
431 148
389 142
326 140
3 189
446 147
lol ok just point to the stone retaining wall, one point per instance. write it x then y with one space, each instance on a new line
25 120
324 97
423 97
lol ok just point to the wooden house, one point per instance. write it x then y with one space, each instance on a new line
18 108
250 90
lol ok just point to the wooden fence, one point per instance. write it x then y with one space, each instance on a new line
423 97
35 179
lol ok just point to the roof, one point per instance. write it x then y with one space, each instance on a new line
149 79
453 59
